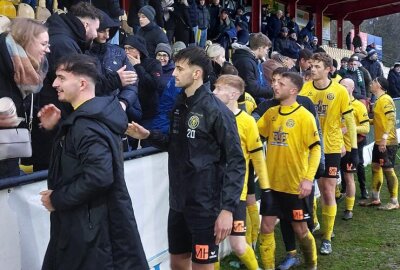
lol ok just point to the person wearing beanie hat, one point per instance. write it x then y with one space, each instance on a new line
149 71
179 45
372 64
148 12
149 30
385 147
111 58
163 54
394 81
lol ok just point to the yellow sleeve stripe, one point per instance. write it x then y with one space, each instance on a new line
256 150
346 112
314 144
389 112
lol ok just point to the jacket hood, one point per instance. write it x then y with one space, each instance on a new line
69 25
107 22
243 52
104 109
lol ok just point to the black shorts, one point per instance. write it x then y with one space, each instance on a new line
346 165
239 220
387 158
251 185
195 235
287 206
332 163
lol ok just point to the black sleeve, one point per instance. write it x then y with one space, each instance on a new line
108 83
150 78
94 152
247 72
158 139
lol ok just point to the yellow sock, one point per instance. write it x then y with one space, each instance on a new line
315 207
328 220
393 183
255 222
248 227
309 249
350 203
249 259
216 266
337 191
377 180
267 250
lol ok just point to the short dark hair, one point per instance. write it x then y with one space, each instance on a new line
280 70
228 68
80 64
295 78
305 54
85 10
195 56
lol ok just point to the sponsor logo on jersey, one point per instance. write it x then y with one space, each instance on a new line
194 122
321 108
330 96
280 138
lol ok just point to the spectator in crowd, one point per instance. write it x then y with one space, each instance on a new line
111 58
265 17
394 81
70 33
277 61
357 42
246 61
243 35
149 30
354 73
176 47
214 10
372 64
23 50
303 62
348 41
239 15
133 18
194 19
183 24
217 56
371 46
197 217
308 30
226 31
304 42
293 47
204 22
314 44
334 75
275 25
281 42
158 17
169 21
91 216
164 55
149 72
343 66
292 24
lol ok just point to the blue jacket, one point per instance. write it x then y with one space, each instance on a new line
112 58
374 67
166 75
394 83
167 101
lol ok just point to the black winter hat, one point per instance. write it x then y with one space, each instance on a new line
138 43
106 21
148 11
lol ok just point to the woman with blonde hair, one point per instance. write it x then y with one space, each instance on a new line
23 49
217 54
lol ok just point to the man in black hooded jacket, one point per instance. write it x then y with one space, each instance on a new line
93 226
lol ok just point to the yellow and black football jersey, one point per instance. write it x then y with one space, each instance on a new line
291 132
385 119
330 103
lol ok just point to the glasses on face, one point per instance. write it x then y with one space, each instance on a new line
162 55
128 48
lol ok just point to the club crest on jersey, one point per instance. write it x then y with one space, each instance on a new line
290 123
321 108
280 138
193 122
330 96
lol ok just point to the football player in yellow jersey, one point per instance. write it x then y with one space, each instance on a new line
362 121
385 147
228 88
332 103
293 143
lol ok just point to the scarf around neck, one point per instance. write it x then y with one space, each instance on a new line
28 79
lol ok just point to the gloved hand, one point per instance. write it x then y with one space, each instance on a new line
354 157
